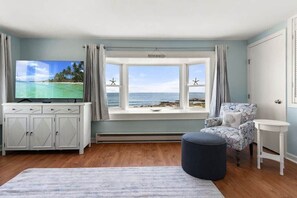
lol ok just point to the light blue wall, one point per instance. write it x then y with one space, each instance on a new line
145 126
292 133
46 49
274 29
291 112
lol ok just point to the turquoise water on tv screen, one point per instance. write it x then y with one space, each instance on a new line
49 90
49 79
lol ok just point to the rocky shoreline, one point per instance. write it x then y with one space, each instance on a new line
194 102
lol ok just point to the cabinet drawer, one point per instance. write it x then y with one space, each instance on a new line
61 109
22 109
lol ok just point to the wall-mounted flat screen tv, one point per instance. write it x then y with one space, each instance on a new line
49 79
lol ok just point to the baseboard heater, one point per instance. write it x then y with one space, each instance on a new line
137 137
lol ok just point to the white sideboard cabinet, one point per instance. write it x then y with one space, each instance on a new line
46 126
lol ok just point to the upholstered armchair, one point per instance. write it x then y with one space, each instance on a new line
237 138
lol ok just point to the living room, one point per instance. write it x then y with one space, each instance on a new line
147 134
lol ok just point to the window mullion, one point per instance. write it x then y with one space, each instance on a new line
183 86
207 84
124 87
186 85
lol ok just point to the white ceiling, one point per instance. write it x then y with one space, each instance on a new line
143 19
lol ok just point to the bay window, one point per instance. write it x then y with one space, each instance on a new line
155 86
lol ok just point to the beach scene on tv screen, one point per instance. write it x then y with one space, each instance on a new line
49 79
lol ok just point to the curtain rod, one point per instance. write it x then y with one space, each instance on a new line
161 48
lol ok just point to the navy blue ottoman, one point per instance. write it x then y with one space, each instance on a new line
204 155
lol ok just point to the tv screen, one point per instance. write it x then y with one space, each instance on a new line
49 79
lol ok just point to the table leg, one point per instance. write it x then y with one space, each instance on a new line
258 149
261 146
281 152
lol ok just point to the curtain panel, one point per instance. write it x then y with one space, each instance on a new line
95 83
6 87
220 91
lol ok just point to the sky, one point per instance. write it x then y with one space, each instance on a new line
39 70
164 79
147 79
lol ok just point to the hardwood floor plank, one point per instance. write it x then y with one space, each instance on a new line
243 181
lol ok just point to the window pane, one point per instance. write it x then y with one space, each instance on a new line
153 86
197 74
113 96
197 97
112 74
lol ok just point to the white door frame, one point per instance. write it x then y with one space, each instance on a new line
267 38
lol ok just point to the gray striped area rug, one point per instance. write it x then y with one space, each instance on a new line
115 182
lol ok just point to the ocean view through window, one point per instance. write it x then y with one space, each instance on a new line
154 84
169 86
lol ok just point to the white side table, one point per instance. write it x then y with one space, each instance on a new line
274 126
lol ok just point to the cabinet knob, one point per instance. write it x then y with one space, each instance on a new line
27 132
31 133
69 109
52 109
57 132
31 109
13 109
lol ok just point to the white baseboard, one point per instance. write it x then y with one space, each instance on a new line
291 157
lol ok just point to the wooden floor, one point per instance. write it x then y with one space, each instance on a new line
244 181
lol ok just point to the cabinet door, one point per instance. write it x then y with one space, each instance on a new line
42 129
16 131
67 131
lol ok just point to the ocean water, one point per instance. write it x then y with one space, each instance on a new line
75 90
48 90
150 99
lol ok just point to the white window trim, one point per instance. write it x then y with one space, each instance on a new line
147 114
126 113
291 69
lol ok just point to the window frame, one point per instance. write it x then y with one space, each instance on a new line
123 112
120 86
291 61
206 85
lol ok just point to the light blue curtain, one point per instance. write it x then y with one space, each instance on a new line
6 88
220 90
94 82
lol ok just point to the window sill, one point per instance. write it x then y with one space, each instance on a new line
164 114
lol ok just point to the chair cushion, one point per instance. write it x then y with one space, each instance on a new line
231 119
248 111
232 136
